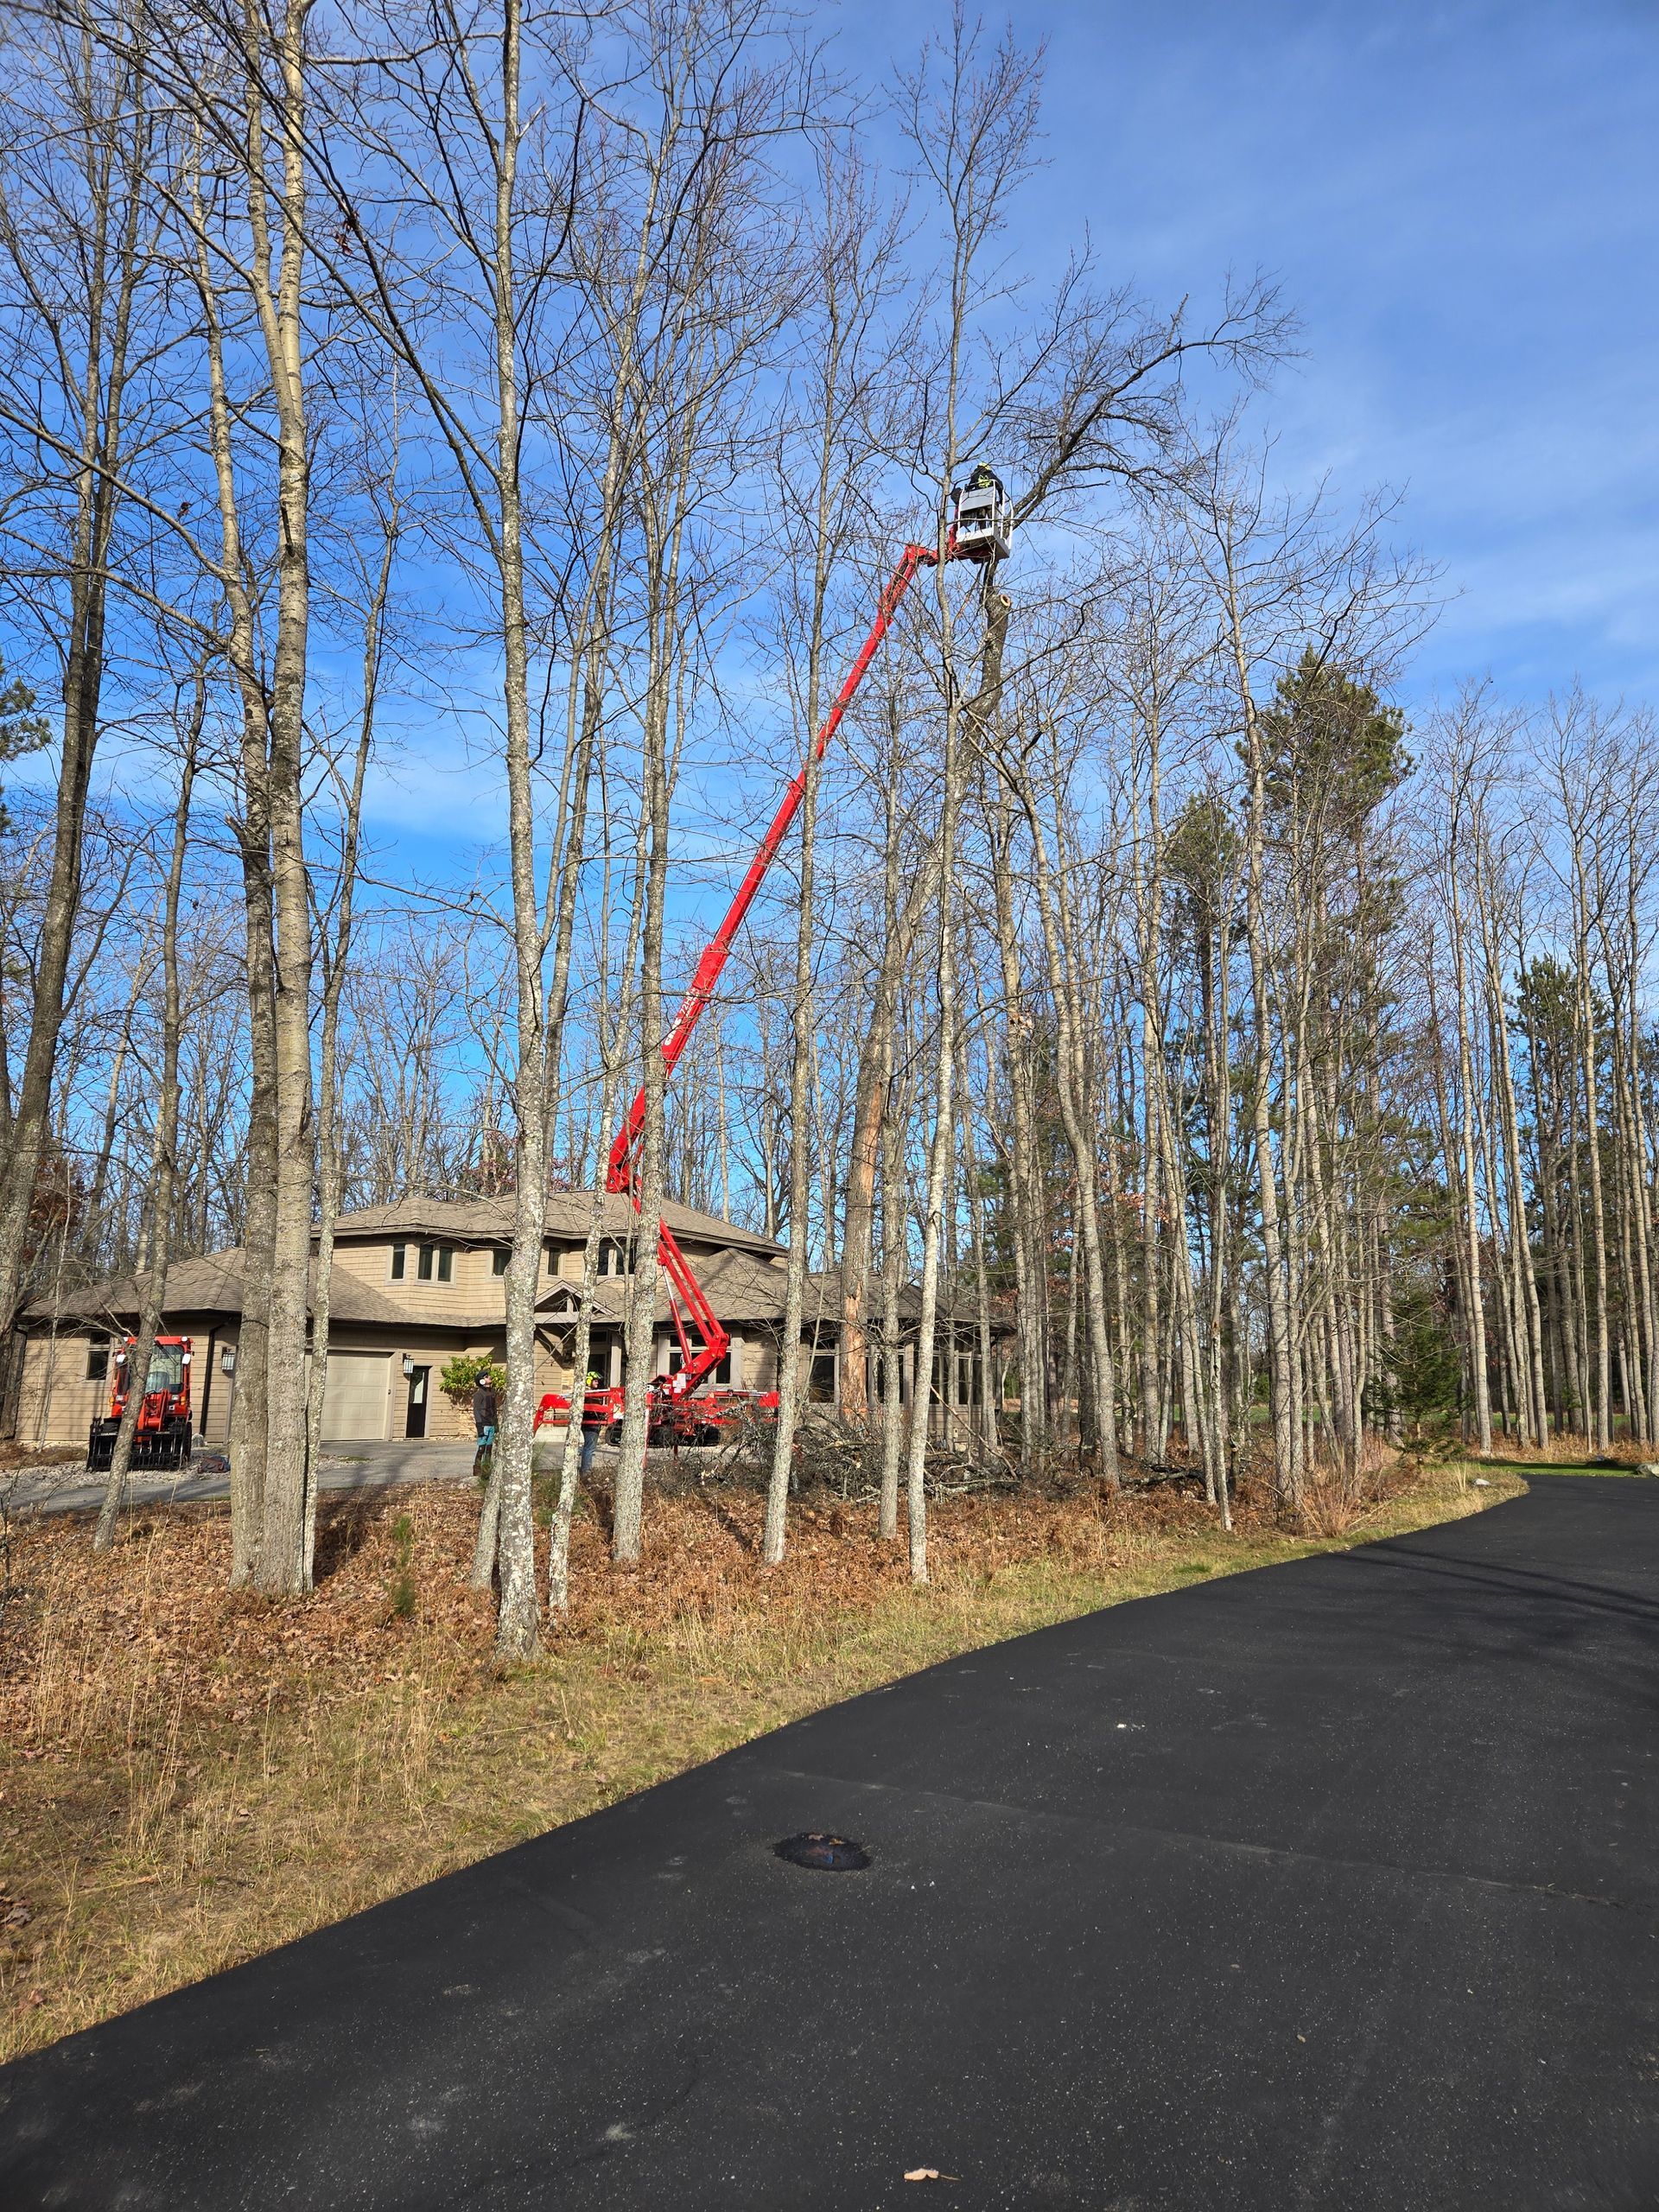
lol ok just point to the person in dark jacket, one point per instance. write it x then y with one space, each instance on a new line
484 1410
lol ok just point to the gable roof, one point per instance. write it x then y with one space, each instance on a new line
489 1221
743 1283
211 1284
823 1303
740 1287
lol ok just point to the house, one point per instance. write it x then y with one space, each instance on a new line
413 1285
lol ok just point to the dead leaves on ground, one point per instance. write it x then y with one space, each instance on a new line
98 1643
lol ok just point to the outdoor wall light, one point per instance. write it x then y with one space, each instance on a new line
409 1364
227 1359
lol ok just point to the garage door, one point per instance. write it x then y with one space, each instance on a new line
354 1395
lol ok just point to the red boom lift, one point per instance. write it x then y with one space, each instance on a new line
980 530
163 1436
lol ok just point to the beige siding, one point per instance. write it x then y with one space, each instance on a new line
369 1263
474 1286
760 1363
212 1388
57 1404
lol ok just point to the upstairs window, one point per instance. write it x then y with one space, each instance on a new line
617 1255
398 1262
436 1263
97 1360
500 1259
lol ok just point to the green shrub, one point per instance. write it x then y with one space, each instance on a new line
458 1378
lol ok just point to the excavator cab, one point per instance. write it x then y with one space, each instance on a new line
164 1435
982 517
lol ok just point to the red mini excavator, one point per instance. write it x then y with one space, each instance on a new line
164 1435
682 1409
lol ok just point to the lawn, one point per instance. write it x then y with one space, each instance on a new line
188 1776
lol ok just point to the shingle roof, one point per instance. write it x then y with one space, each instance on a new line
560 1299
744 1283
211 1284
568 1213
823 1303
740 1287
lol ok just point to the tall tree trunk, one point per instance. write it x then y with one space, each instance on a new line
1024 1201
1476 1311
163 1176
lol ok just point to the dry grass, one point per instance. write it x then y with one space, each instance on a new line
1572 1453
189 1776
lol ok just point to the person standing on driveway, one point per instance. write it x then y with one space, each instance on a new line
485 1412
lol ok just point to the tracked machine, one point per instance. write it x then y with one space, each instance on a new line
164 1435
684 1407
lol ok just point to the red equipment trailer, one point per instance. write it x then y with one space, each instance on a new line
164 1435
681 1410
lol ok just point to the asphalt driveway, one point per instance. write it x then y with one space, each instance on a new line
1333 1884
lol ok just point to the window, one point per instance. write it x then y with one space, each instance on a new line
617 1257
821 1379
397 1264
721 1376
97 1360
436 1262
166 1368
552 1260
499 1259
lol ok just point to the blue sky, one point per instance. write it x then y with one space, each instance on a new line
1462 201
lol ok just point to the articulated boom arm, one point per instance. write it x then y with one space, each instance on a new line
686 1300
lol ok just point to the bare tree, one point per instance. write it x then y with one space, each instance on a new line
83 357
163 1172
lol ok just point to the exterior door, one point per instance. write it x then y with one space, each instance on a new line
415 1419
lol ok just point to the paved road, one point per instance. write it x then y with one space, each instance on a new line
353 1465
1332 1885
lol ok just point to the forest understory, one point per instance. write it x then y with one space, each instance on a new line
192 1775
